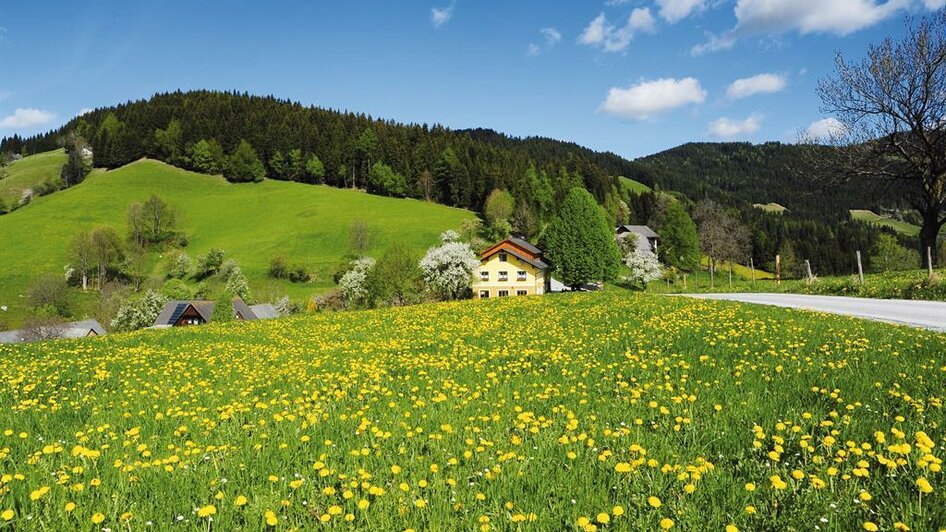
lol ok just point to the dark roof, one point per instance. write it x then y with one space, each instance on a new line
75 329
173 309
538 263
240 307
526 245
264 311
642 230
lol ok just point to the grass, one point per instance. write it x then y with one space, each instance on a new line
631 185
885 221
770 207
909 284
560 412
29 172
251 222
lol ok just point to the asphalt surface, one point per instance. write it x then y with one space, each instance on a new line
923 314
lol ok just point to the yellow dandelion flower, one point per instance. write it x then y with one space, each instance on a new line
666 523
207 511
654 502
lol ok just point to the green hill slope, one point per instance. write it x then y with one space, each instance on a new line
251 222
886 221
29 172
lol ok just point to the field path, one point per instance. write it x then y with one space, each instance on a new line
923 314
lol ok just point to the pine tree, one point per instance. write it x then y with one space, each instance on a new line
580 243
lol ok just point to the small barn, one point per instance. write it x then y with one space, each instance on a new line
645 236
198 312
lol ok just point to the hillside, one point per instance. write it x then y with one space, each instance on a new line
251 222
871 217
29 172
528 413
744 173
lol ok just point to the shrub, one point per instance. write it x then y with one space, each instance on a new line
644 267
208 263
447 270
176 289
49 291
180 266
354 284
278 267
139 313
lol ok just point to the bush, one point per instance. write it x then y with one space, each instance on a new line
209 263
228 269
644 267
278 267
176 289
180 266
354 284
49 291
237 284
139 313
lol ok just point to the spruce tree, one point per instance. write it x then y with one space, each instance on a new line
580 243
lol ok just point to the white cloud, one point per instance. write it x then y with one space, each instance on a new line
552 36
5 95
758 84
676 10
727 127
84 111
26 118
534 49
441 15
838 17
715 43
603 34
825 129
642 20
650 98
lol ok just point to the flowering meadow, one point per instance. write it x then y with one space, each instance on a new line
597 411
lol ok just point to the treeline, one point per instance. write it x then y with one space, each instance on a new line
740 172
205 129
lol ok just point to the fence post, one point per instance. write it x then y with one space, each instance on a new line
860 267
808 269
778 269
752 269
929 262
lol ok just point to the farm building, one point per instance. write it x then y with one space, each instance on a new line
513 267
76 329
646 237
198 312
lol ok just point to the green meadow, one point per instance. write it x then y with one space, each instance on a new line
308 224
29 172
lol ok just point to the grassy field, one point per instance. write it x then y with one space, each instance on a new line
633 186
770 207
251 222
885 221
594 411
29 172
910 284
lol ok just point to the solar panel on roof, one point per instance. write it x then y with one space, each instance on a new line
177 312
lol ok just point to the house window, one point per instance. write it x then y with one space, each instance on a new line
484 276
503 276
521 275
502 257
484 294
522 292
503 293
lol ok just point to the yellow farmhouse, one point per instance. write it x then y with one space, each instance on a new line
512 267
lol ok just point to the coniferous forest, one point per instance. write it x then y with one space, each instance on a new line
247 137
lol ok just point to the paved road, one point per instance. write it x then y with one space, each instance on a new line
924 314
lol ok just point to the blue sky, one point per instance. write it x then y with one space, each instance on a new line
630 76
